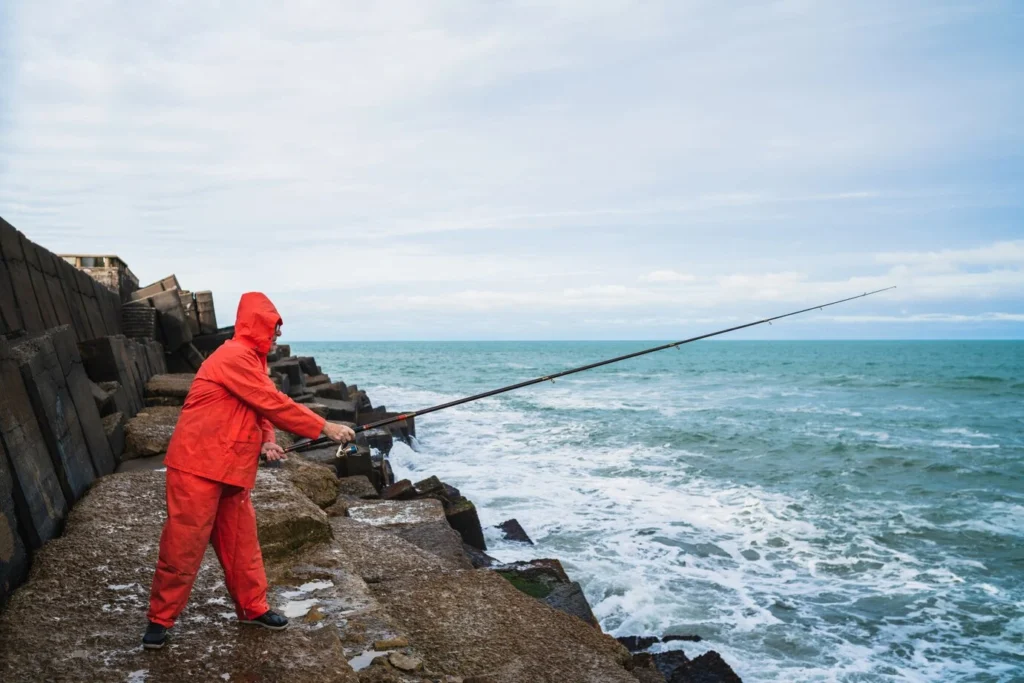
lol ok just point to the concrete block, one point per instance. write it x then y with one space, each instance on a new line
157 362
13 554
169 282
113 429
80 388
21 281
114 399
10 316
40 503
110 307
169 386
35 270
69 282
208 343
58 419
58 296
90 304
207 314
106 360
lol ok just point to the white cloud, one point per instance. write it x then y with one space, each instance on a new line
928 318
1009 253
667 276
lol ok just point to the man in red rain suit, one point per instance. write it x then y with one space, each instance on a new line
228 420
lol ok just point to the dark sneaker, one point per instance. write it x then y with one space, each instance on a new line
269 619
155 638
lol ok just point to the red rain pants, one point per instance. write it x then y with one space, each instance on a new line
200 510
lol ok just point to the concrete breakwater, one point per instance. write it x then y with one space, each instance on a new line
385 580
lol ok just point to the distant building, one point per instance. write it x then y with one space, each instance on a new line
110 271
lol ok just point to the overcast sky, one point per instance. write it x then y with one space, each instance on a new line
533 170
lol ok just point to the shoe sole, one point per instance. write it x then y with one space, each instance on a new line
153 646
266 626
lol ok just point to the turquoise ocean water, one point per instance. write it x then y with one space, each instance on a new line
849 511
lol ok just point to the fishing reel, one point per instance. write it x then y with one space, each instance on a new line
346 449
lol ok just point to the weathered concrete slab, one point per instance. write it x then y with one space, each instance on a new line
55 411
287 520
113 429
80 389
457 635
69 282
35 271
173 319
10 317
21 281
106 360
40 504
110 307
168 389
149 432
13 554
92 307
96 579
317 482
396 513
47 261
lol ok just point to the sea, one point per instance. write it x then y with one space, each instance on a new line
814 510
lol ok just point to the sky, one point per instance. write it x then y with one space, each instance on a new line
568 169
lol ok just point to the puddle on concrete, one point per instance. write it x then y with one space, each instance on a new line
316 585
299 608
363 660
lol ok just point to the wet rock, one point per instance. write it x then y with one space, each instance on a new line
514 531
460 633
390 644
400 490
404 662
438 539
463 518
339 411
637 643
335 390
377 555
546 580
390 514
149 432
113 399
288 520
317 482
689 638
308 365
168 390
644 669
478 558
318 408
669 662
113 428
378 439
317 380
707 668
358 486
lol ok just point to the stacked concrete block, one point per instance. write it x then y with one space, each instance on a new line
50 267
205 311
30 316
168 283
55 412
80 389
38 279
107 359
140 321
188 302
39 501
208 343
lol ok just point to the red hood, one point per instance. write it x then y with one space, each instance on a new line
255 321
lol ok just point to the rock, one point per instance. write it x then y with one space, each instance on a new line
546 580
308 365
690 638
569 598
644 669
113 428
39 502
377 555
405 662
438 539
390 514
107 359
668 662
707 668
637 643
287 520
514 531
317 380
318 408
390 644
378 439
463 518
400 490
317 482
149 432
168 389
478 558
339 411
114 400
471 623
358 486
208 343
355 464
335 390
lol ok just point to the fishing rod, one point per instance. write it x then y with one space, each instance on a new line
550 378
